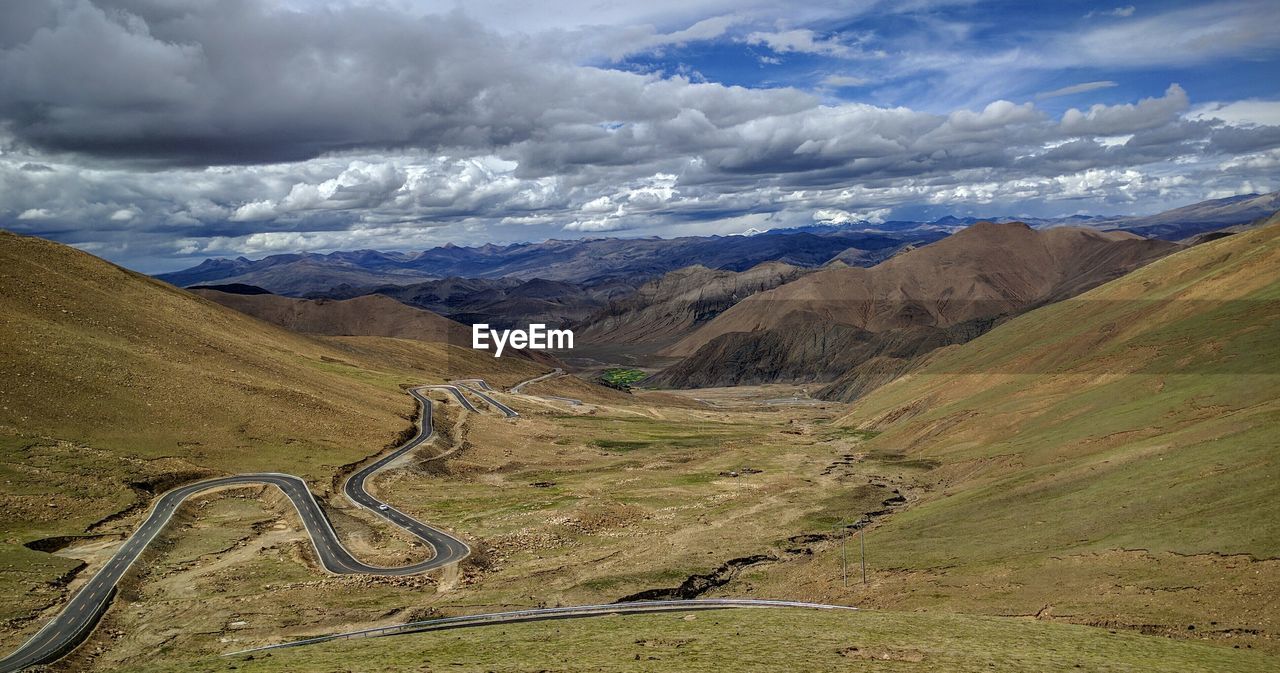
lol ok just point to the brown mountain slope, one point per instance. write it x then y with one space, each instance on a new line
93 353
370 315
832 321
669 308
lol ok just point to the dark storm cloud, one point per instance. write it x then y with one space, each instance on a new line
240 82
236 82
1236 140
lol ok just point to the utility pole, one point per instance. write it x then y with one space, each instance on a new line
862 538
844 551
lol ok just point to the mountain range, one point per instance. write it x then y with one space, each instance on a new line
835 322
634 261
586 261
851 306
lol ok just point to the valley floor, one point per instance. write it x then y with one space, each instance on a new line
735 492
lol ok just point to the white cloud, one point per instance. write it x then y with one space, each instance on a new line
1124 11
620 42
996 114
801 40
254 211
1249 162
1077 88
594 224
837 216
1127 118
705 29
1185 36
1246 187
1240 113
360 185
35 214
839 81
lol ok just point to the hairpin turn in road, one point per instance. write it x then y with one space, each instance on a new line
76 621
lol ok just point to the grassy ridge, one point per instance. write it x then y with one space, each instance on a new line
1141 416
101 355
1135 429
96 354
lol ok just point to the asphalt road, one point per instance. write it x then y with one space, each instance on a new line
478 383
457 394
475 390
540 614
554 373
77 619
518 388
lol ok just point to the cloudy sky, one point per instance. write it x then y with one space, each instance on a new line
160 132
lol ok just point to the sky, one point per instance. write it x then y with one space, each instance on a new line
157 133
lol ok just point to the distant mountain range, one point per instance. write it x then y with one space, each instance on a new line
851 306
634 261
1178 224
1198 218
586 262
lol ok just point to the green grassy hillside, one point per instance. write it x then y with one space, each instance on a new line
1114 458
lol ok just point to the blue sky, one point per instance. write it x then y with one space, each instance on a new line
160 132
869 48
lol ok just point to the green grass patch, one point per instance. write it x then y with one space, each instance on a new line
345 369
900 460
620 444
620 377
846 506
839 432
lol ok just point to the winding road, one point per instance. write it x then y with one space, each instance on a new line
77 619
457 394
518 388
478 388
86 607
